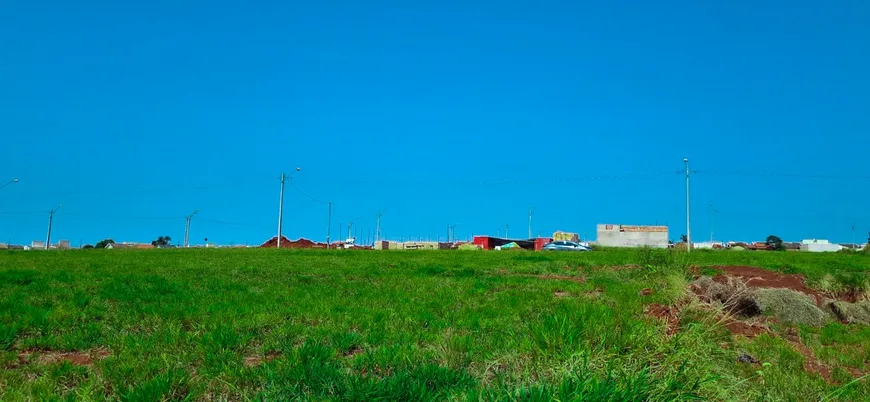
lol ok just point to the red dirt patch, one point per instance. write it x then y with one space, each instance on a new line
671 315
75 358
812 365
763 278
747 330
253 361
645 292
560 294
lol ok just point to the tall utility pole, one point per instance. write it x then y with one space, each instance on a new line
328 224
187 228
506 227
712 222
531 212
50 219
378 230
688 225
284 177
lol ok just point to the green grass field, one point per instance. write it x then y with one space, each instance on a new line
430 325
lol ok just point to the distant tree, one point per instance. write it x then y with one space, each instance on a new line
87 247
103 243
684 239
774 243
161 241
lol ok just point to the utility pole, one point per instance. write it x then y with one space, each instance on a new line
328 224
531 212
506 227
688 225
50 219
187 228
378 230
284 177
712 222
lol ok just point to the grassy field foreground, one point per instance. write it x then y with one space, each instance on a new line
363 325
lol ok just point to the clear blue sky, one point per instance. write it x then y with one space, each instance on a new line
404 106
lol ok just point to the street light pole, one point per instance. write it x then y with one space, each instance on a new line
531 211
284 177
50 220
378 229
9 182
187 228
688 225
328 224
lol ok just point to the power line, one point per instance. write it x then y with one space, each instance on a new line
308 196
784 175
123 217
231 223
499 182
158 190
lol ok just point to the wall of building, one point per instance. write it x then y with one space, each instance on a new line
410 245
632 236
821 247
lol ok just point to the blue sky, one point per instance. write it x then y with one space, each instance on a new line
462 112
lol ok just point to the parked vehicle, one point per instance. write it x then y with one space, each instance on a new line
565 246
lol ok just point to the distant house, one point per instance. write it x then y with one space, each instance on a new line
819 246
127 245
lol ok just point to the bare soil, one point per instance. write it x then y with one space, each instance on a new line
256 360
670 314
76 358
746 329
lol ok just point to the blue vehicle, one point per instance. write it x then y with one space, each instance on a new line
565 246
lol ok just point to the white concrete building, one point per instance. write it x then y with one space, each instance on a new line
632 236
819 246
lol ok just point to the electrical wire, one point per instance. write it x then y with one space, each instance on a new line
121 217
500 182
784 175
306 195
231 223
163 189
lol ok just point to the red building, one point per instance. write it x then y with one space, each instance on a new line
490 243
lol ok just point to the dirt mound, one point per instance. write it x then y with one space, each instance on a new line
736 297
850 313
767 279
791 307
